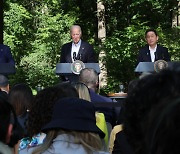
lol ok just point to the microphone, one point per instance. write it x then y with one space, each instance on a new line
80 56
74 56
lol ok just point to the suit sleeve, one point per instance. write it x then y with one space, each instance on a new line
9 57
91 55
62 58
166 55
139 57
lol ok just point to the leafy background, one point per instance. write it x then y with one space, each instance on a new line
35 31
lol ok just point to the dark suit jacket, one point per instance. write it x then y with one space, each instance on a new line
5 55
109 112
86 53
161 54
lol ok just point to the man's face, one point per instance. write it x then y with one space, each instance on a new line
75 35
151 38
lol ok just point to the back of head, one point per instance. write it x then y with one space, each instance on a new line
83 91
162 128
74 118
74 114
3 81
21 98
89 77
43 105
149 91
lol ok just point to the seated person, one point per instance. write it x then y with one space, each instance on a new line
6 126
41 113
72 129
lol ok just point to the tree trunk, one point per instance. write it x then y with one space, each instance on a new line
1 21
101 37
176 16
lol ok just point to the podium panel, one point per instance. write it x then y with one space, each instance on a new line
145 67
6 69
64 69
149 66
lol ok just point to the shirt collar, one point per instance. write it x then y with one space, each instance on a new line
153 49
78 44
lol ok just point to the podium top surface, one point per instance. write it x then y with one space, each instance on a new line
65 68
149 66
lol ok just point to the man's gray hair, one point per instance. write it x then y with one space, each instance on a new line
75 26
89 77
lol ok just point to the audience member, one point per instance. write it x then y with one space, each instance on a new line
152 51
83 91
21 98
148 93
4 86
100 118
71 129
89 77
162 134
7 116
118 129
41 113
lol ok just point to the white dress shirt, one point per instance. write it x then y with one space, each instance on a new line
75 48
152 53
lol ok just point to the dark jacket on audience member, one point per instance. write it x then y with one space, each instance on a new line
109 112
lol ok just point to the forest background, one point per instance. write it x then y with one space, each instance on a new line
35 30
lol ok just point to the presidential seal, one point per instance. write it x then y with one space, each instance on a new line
77 66
160 65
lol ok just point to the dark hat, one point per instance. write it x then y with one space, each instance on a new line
74 114
3 80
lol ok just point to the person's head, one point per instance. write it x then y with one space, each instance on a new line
73 117
6 118
43 105
4 83
150 90
162 134
82 90
76 33
151 37
21 98
89 77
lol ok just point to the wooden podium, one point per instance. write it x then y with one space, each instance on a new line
64 70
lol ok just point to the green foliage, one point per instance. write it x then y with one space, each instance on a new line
35 38
35 30
121 54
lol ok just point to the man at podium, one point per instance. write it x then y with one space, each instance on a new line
77 49
152 51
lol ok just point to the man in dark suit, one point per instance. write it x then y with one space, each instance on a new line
90 78
77 49
5 55
152 51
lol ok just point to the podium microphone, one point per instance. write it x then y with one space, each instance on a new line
156 56
74 56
